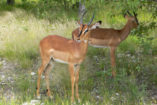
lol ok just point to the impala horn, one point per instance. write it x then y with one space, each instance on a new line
91 19
81 22
81 19
82 11
129 13
136 17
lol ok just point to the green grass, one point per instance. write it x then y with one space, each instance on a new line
95 85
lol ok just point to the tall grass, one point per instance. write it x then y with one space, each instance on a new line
21 33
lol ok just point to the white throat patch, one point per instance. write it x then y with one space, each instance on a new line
85 41
78 41
98 46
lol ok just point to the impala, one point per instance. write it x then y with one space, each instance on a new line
109 37
60 49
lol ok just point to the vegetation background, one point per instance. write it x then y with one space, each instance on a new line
23 23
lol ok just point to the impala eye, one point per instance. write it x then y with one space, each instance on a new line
86 30
80 31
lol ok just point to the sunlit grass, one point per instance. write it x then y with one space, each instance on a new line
21 32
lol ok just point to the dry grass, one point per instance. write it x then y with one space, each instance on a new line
21 32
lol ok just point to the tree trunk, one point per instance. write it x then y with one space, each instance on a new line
65 4
10 2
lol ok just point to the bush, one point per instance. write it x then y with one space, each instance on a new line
129 45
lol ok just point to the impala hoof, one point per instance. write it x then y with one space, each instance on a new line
73 103
79 100
39 97
51 97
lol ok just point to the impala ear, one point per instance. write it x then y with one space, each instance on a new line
100 22
96 25
79 23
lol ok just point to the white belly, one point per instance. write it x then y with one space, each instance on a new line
58 56
60 61
98 46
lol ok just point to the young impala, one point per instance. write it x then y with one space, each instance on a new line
60 49
109 37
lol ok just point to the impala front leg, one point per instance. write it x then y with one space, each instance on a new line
113 62
40 70
47 72
72 75
77 69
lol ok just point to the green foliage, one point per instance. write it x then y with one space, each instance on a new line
154 46
130 45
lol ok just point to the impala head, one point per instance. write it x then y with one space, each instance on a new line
75 33
132 19
84 29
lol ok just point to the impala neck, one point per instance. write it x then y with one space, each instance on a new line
84 46
126 30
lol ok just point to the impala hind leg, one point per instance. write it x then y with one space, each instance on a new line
40 71
72 75
47 72
77 69
113 61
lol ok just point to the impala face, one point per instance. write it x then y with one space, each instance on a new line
133 20
83 32
76 32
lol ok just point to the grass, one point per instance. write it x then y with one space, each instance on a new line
96 86
20 33
24 29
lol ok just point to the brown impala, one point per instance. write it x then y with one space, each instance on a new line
60 49
109 37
